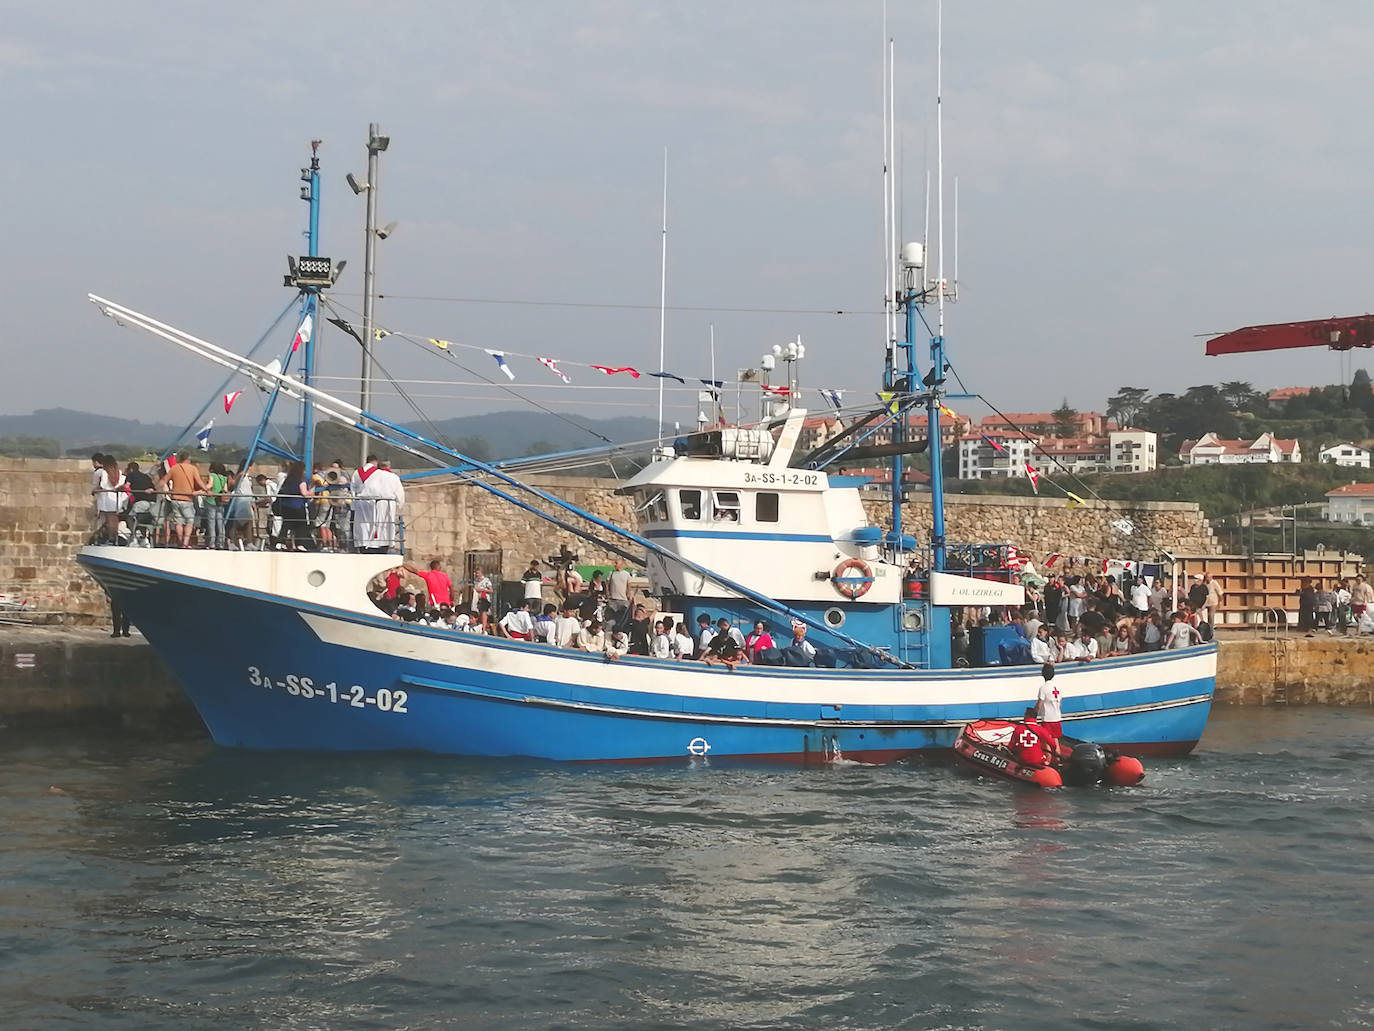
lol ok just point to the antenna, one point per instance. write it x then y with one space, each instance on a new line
954 293
663 297
889 244
925 235
892 185
940 166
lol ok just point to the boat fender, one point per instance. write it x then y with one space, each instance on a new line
1047 777
1124 770
852 587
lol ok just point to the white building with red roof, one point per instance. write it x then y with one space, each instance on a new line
1209 449
1352 503
1347 454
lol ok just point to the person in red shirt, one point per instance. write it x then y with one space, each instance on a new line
393 583
437 583
1031 743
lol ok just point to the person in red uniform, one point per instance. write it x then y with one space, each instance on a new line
1031 743
437 583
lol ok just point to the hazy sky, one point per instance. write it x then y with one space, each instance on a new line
1130 175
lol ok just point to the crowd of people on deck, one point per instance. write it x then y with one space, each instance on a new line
597 616
177 505
1079 617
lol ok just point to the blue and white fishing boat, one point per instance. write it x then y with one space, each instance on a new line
735 522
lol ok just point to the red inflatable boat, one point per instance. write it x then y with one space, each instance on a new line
985 746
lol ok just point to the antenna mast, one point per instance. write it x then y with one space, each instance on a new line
663 297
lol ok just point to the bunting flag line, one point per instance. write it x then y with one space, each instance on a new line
835 397
302 333
1052 559
717 383
612 370
440 344
890 399
552 365
381 334
993 444
1034 477
668 375
776 391
1122 526
1074 499
230 398
203 435
500 357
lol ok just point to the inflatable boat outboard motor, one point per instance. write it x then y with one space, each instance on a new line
1085 765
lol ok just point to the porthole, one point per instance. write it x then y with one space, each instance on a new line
315 578
913 619
834 617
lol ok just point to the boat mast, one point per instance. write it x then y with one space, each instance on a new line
310 303
663 298
376 143
937 342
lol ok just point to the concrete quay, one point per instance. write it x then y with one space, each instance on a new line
76 676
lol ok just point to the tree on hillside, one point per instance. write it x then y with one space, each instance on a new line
1362 393
1124 406
1065 419
1240 396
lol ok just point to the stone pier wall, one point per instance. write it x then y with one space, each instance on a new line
46 514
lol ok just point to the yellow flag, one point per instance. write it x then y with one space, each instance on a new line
1074 499
441 344
379 333
888 398
949 411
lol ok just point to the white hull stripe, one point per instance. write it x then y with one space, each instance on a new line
621 712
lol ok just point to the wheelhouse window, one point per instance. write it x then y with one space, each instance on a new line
651 506
766 507
725 506
689 501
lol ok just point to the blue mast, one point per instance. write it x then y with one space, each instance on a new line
310 302
308 274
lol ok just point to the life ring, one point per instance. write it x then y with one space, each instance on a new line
852 587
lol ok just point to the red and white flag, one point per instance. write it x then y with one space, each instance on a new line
611 370
552 365
302 333
1034 477
230 398
1052 559
779 391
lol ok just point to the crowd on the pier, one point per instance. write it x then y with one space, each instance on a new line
175 504
599 616
1078 617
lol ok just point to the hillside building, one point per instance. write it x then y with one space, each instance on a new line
1352 503
1210 449
1351 455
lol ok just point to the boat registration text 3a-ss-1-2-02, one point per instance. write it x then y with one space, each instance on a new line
784 479
298 686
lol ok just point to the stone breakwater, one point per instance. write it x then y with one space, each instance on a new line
46 516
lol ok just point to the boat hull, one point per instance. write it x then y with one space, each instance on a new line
270 663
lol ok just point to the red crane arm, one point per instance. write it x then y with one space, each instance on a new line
1338 334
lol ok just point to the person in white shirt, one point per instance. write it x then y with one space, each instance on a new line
660 647
618 645
706 633
591 638
681 642
1047 709
533 582
566 627
1140 597
544 624
723 627
1042 649
518 624
1084 649
1078 598
618 586
1182 634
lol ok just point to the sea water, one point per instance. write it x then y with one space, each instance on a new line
147 883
